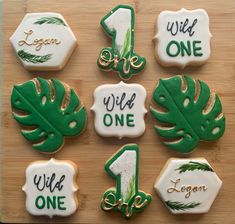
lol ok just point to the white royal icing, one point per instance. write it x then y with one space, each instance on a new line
46 36
59 188
125 167
188 28
119 110
120 22
180 188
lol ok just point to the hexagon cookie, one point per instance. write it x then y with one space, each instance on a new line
188 185
43 41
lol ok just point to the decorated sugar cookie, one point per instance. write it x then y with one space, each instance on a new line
51 187
188 185
119 110
183 38
48 111
121 58
125 197
43 41
192 113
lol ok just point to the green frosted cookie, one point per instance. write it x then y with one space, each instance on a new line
191 113
121 58
48 110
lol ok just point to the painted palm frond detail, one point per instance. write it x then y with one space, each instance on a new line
123 51
192 165
131 189
50 20
127 44
191 113
35 59
176 205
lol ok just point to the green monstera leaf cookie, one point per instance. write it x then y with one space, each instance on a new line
48 110
191 113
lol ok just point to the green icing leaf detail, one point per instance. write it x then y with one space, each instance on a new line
50 20
192 112
176 205
127 44
48 111
35 59
131 189
192 165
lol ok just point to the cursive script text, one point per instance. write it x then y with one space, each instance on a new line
122 102
38 43
50 182
110 202
188 189
182 26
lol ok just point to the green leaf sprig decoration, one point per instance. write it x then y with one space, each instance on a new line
192 113
131 189
127 44
192 165
35 59
175 205
50 20
48 110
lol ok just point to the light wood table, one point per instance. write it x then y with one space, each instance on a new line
89 150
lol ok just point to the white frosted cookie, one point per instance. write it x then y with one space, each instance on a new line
119 110
183 38
43 41
51 187
188 185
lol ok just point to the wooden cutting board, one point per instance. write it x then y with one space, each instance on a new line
89 150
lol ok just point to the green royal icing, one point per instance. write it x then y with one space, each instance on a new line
193 165
134 200
190 118
121 57
50 20
119 120
176 205
44 111
175 48
32 58
53 202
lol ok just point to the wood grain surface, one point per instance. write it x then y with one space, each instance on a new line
89 150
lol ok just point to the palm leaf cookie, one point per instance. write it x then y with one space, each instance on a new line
191 113
47 110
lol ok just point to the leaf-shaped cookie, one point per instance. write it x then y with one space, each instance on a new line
192 113
48 110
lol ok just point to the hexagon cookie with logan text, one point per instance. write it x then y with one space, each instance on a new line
188 185
43 41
